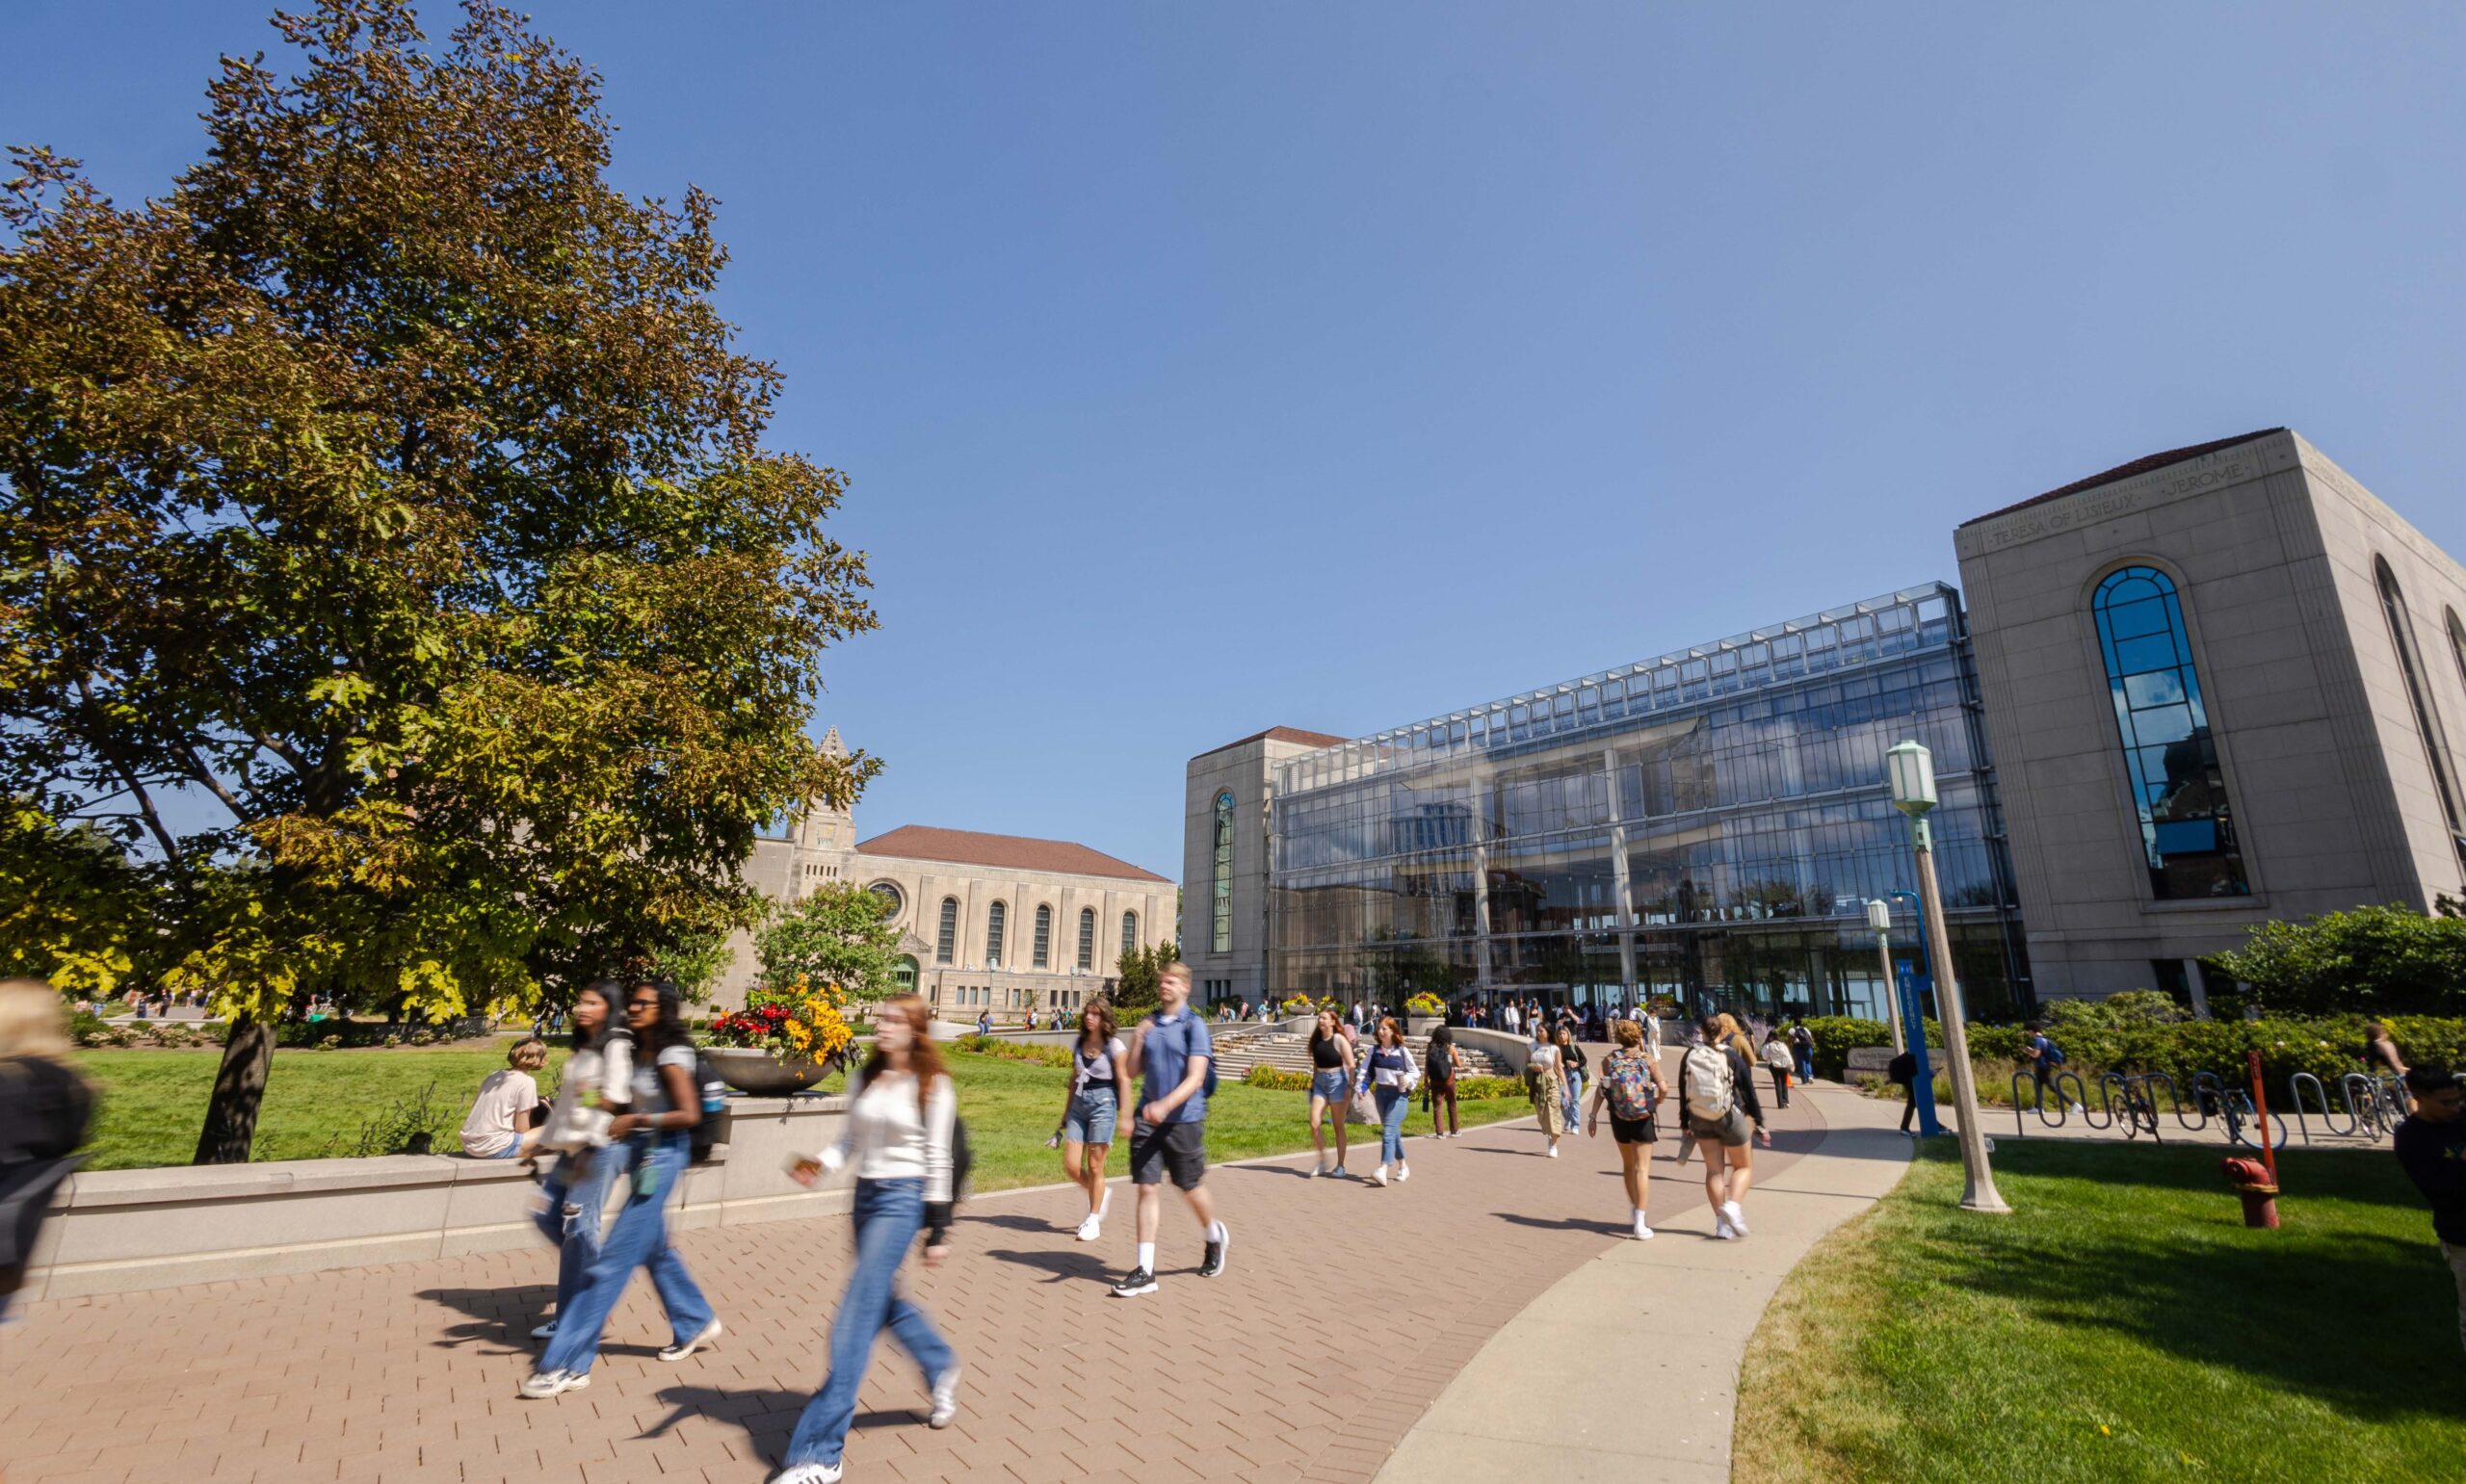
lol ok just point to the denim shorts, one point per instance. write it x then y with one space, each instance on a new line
1091 1119
1330 1083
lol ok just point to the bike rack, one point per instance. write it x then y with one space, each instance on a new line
2385 1096
2020 1114
2207 1085
2295 1094
2103 1117
2119 1093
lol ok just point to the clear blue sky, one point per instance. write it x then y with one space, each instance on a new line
1207 368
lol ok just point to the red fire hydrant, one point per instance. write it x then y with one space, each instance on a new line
2251 1181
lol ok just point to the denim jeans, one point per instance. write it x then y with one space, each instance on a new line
1575 1098
1393 1105
578 1237
889 1214
639 1238
1806 1067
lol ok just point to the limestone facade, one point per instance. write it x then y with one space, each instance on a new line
2342 778
998 924
1226 797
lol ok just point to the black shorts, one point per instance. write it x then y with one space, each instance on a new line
1633 1131
1180 1148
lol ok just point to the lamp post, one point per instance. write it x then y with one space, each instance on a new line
1913 794
1879 917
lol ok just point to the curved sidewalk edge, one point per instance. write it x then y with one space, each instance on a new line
1660 1325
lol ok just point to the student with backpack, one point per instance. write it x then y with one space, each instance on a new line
1176 1063
1717 1086
1632 1085
1781 1063
903 1138
2045 1057
1802 1045
1443 1065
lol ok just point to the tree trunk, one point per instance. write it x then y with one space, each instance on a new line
239 1088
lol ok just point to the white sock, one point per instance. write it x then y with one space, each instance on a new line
1148 1255
1216 1230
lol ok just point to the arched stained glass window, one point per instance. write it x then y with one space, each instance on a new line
1129 933
993 919
1088 938
946 938
2178 787
1221 936
1044 937
2410 663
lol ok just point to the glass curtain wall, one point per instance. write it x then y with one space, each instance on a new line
1706 828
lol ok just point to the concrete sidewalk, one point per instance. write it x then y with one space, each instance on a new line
1626 1370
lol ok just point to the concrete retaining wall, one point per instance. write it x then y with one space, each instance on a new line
122 1231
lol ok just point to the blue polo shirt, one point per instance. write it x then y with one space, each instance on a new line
1171 1042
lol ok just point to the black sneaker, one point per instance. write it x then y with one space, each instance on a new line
1214 1262
1140 1280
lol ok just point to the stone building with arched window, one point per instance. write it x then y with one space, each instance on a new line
1000 924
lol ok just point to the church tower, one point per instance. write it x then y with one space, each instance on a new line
825 827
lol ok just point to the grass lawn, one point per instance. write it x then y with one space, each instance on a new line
2121 1324
320 1104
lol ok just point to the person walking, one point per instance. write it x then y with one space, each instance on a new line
1330 1089
1549 1086
1779 1061
1390 1076
498 1125
1444 1065
45 1108
1099 1071
1631 1086
1173 1057
1802 1046
666 1105
1573 1063
596 1084
2381 1059
1902 1071
898 1139
1510 1021
1716 1085
2431 1148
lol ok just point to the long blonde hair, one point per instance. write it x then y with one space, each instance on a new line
1733 1037
33 1022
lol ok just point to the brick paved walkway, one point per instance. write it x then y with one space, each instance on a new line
1347 1310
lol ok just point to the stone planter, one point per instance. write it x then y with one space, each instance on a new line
760 1074
1423 1025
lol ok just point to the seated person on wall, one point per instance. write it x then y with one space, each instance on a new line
500 1122
2432 1145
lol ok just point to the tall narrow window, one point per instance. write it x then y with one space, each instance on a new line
2178 788
993 916
1044 937
1221 938
946 939
1088 938
2410 663
1129 933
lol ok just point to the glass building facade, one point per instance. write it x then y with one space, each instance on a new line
1707 827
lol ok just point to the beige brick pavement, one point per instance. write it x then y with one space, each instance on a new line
1345 1312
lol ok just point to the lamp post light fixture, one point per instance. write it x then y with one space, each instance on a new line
1879 917
1913 792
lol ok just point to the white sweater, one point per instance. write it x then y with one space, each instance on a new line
886 1139
594 1076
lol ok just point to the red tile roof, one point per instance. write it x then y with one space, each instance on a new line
1290 734
1004 852
2127 471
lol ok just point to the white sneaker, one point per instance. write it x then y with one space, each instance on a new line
1554 1151
1644 1233
546 1329
1091 1227
946 1398
1319 1172
542 1385
678 1352
1379 1176
810 1473
1403 1173
1722 1232
1733 1217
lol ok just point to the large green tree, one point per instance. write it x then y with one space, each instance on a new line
840 934
391 491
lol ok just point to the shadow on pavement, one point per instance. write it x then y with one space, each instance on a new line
1564 1223
767 1415
501 1317
1065 1266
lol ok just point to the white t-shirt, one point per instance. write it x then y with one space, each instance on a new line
492 1126
886 1137
650 1087
1544 1059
